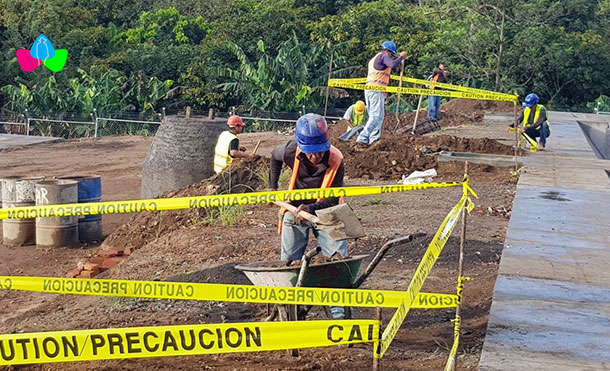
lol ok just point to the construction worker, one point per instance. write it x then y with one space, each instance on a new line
439 74
356 115
379 70
227 146
534 121
315 164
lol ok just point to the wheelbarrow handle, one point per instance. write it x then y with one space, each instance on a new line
386 246
303 214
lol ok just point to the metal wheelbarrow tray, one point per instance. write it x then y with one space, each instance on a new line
337 274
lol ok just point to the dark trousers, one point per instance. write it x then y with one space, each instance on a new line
542 132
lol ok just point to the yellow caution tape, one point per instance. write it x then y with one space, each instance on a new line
179 203
450 86
225 292
164 341
450 365
338 83
421 273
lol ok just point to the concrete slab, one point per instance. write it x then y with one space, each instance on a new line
16 140
551 305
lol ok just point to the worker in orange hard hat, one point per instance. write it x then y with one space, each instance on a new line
357 115
227 146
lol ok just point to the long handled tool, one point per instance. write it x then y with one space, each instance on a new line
256 147
421 96
339 221
402 72
532 142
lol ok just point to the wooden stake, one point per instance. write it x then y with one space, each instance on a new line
330 70
377 345
516 136
458 309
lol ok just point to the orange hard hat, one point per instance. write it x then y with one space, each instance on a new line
234 121
359 107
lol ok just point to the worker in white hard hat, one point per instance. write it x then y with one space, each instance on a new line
357 116
227 146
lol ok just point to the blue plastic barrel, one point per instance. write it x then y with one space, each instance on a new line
89 190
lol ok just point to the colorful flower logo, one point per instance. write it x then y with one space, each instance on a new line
42 52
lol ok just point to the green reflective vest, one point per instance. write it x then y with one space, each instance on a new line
221 153
358 119
526 116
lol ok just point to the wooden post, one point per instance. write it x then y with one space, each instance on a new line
516 136
211 114
188 112
458 309
377 345
330 70
421 96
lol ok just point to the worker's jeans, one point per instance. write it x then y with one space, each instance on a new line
434 105
351 133
296 237
375 102
542 133
294 242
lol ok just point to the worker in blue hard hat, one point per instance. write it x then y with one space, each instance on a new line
534 121
379 70
315 163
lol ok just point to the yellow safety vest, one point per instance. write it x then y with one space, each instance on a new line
221 155
377 77
358 119
526 116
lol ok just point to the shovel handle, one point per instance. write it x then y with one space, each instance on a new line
303 214
256 147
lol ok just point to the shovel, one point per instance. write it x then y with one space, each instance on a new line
339 221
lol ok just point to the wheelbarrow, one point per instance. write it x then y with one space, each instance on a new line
335 274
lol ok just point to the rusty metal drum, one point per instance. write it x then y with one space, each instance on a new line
57 231
18 191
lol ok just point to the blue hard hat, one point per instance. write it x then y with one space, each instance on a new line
311 133
389 45
530 100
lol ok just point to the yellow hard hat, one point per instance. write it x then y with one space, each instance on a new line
359 107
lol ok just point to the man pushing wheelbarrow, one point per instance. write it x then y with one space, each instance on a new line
315 163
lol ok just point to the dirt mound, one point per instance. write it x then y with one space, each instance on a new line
394 156
456 112
225 273
243 176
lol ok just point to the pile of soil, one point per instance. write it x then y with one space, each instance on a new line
243 176
394 156
456 112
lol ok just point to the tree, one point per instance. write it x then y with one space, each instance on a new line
295 76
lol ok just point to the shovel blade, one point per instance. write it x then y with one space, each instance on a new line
340 222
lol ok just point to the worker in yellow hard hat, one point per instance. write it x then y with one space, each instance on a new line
227 146
357 116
